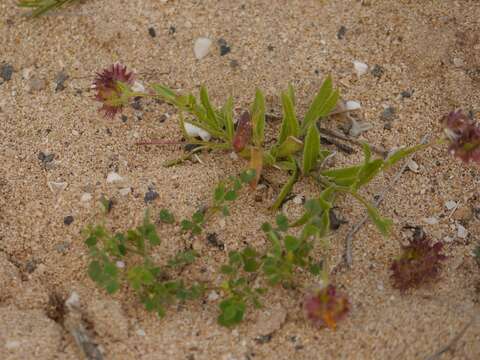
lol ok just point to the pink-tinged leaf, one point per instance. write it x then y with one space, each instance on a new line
243 132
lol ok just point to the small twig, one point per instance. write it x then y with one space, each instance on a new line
377 202
452 342
380 151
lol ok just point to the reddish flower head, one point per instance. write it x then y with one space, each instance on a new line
112 84
326 307
243 132
419 262
464 136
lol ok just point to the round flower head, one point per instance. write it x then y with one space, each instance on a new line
326 307
464 136
113 87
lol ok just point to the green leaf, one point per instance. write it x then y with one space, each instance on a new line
247 176
258 118
91 241
183 258
219 192
324 102
403 153
368 172
228 118
112 286
210 112
95 271
266 227
289 147
383 224
110 269
166 216
286 189
198 217
231 195
186 225
315 268
227 270
290 126
151 234
282 222
311 149
291 243
165 93
138 276
232 312
291 93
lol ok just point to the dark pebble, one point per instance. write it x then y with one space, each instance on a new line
150 196
60 81
137 104
388 114
163 118
263 339
224 48
45 158
67 220
377 71
341 32
388 126
190 147
152 32
270 48
6 71
212 239
124 118
30 266
335 222
317 72
406 94
172 30
62 247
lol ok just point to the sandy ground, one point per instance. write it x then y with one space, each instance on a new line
430 49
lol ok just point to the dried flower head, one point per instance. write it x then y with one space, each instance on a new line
113 88
419 262
326 307
464 136
243 132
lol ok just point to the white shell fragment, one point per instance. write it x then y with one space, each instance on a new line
86 197
358 128
413 166
138 87
360 67
113 177
351 105
431 220
450 204
195 131
201 47
56 187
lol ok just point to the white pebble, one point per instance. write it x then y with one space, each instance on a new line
73 301
86 197
57 186
360 67
140 332
358 128
448 239
27 73
125 191
233 155
138 87
462 233
450 204
113 177
120 264
431 220
351 105
202 47
413 166
298 200
213 296
195 131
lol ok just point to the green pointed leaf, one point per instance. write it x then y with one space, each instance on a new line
286 189
290 126
289 147
258 118
311 149
210 112
322 105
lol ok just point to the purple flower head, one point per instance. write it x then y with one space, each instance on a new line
464 136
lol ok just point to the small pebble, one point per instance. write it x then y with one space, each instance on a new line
341 32
201 47
352 105
45 158
56 187
125 191
224 48
150 196
113 177
431 220
120 264
67 220
138 87
360 68
195 131
213 296
406 94
299 200
60 81
388 113
234 64
377 71
86 197
140 332
152 32
450 204
36 84
172 30
6 71
358 128
413 166
62 248
462 233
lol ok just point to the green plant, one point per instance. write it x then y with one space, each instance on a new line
40 7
